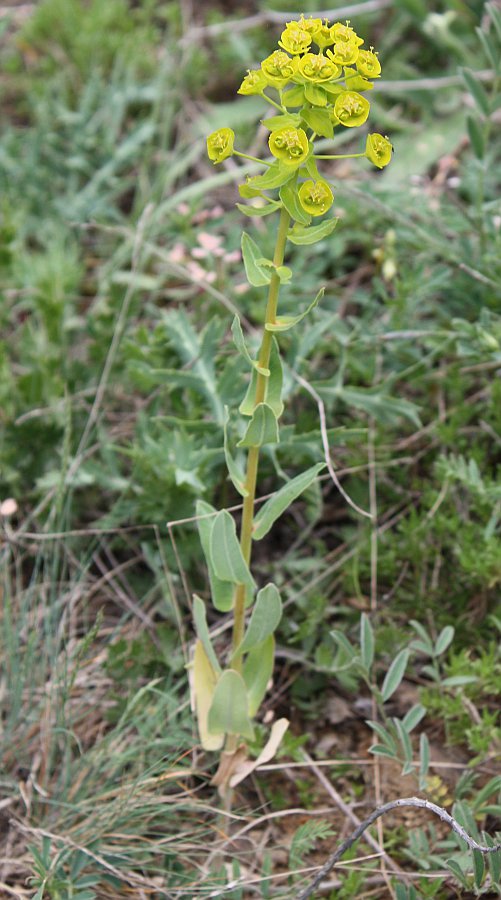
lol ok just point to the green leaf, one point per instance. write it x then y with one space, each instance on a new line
225 553
201 627
491 49
262 428
277 175
478 868
413 717
404 739
259 211
375 402
234 471
228 713
333 88
366 642
221 591
266 615
300 235
246 407
345 646
315 95
257 275
282 499
477 91
495 15
283 323
444 639
293 97
457 871
395 674
319 121
276 122
494 861
258 669
283 272
381 750
424 759
384 736
476 136
239 341
290 199
274 387
310 168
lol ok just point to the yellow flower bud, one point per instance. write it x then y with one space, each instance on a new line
378 149
368 64
278 68
322 36
220 145
315 197
289 145
253 83
351 109
317 68
295 39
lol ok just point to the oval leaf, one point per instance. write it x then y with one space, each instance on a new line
200 619
221 591
265 617
204 681
445 638
395 674
258 669
262 428
257 275
301 235
225 553
228 712
283 323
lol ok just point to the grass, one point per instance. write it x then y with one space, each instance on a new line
115 366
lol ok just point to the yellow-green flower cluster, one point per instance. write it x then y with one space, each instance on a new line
320 72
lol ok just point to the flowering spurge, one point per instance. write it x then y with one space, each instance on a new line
315 81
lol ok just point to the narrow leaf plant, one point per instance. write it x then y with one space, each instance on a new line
316 82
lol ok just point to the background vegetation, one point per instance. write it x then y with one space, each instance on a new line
119 272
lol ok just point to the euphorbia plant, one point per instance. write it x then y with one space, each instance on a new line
315 82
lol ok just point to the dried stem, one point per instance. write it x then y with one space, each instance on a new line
376 814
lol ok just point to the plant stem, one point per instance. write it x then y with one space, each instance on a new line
253 455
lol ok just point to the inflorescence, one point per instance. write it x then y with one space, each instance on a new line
317 92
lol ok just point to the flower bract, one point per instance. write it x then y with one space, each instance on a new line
253 83
351 109
323 37
368 64
295 39
340 32
220 144
289 145
317 68
345 53
279 68
378 149
315 197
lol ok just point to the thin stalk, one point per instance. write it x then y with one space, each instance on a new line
253 455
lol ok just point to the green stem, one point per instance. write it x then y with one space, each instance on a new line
342 156
252 158
253 455
273 103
